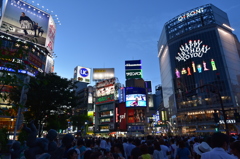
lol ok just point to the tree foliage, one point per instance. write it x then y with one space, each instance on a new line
48 94
79 120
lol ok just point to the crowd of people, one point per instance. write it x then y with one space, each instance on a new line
216 146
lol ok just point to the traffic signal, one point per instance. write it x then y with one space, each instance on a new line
216 118
217 129
237 117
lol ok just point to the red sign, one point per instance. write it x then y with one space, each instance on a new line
35 60
122 117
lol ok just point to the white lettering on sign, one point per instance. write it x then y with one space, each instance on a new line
128 64
190 14
191 50
229 121
134 73
122 117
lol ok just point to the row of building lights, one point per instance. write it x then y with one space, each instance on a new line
47 10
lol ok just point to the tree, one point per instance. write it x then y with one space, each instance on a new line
48 94
13 58
79 121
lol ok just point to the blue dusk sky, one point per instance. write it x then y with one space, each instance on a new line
105 33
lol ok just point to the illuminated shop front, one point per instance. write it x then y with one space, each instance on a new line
202 55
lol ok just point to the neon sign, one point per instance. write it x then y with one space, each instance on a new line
192 49
195 68
190 14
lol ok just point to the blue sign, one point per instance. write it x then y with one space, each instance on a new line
83 72
133 65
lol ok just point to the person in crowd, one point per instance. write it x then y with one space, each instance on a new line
108 144
125 144
136 151
150 147
130 148
196 142
103 144
220 144
118 151
157 153
72 154
80 148
183 152
200 149
235 149
88 151
173 148
145 154
96 155
164 148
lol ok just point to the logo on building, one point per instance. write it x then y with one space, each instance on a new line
190 14
83 72
192 49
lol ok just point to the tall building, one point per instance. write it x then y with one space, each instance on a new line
26 29
199 60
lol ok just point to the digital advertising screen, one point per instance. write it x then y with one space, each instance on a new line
25 21
136 116
136 100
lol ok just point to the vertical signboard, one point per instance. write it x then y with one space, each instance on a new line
25 21
49 66
51 35
122 117
133 69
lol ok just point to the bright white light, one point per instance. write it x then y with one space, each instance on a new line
38 4
42 6
52 11
228 27
33 1
56 15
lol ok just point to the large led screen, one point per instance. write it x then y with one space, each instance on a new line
25 21
136 100
136 116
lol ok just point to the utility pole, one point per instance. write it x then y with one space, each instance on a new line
23 100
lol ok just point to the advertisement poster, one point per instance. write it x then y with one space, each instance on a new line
51 34
25 21
103 73
49 67
105 91
136 116
136 100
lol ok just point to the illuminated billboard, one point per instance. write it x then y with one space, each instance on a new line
106 83
49 67
133 65
136 100
136 116
105 99
133 74
82 74
105 91
102 73
25 21
50 34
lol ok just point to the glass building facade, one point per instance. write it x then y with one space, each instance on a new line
199 59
